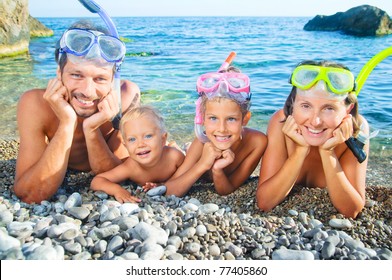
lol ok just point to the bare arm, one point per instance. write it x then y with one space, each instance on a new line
41 166
108 182
345 176
105 154
224 184
278 172
200 158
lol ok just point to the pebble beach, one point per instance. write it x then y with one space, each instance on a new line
79 224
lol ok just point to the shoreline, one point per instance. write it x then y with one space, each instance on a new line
233 229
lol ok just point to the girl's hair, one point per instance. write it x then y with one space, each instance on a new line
142 111
351 97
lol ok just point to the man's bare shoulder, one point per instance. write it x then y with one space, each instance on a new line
33 106
130 95
32 97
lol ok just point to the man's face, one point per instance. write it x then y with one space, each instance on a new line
86 84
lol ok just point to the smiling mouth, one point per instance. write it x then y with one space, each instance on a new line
222 138
315 131
144 153
86 103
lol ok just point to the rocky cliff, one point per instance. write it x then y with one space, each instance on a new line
363 20
16 27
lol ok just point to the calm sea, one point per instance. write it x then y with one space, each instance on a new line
165 55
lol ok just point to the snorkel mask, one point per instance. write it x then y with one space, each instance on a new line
232 85
337 82
93 46
86 45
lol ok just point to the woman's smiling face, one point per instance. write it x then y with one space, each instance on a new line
317 114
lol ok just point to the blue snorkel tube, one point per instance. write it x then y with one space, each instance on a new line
96 9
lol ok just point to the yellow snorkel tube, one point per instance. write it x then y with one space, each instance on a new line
369 66
356 144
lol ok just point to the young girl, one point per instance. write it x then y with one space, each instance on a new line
150 160
227 151
307 140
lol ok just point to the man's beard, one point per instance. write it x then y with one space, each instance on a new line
85 113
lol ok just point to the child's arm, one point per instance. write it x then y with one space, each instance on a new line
224 184
108 183
199 159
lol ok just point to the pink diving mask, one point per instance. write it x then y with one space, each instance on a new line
233 85
236 83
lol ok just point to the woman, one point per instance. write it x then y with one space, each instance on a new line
307 138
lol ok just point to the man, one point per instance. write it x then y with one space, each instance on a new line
68 124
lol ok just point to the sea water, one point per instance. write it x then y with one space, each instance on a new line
165 55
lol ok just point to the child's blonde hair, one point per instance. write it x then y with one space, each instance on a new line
142 111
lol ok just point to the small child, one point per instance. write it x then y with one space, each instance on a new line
224 150
150 159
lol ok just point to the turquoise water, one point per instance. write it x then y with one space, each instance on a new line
180 49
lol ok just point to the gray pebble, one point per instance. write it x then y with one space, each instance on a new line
340 223
288 254
160 190
74 200
208 208
79 212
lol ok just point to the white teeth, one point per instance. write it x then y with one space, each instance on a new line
86 102
222 138
315 131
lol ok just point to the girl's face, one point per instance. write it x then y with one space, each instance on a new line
318 115
223 122
144 140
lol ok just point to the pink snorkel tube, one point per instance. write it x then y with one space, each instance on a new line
199 129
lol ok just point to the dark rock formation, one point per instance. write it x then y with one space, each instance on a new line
363 20
16 27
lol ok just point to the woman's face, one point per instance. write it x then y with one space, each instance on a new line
318 114
223 122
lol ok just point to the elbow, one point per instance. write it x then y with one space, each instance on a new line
171 190
223 192
352 213
264 206
94 183
28 194
18 191
27 197
263 202
175 193
352 210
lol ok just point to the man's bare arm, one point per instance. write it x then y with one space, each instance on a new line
40 166
106 153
